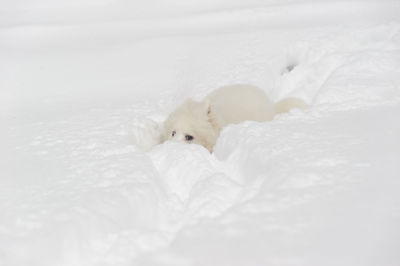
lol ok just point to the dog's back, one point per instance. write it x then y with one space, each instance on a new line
237 103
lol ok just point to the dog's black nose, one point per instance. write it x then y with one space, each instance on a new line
188 137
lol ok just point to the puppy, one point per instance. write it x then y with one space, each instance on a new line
202 122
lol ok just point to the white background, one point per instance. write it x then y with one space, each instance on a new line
85 86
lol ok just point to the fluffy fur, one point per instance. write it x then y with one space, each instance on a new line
201 122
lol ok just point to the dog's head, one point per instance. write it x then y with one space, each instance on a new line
190 123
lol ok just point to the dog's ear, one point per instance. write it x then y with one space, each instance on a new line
207 107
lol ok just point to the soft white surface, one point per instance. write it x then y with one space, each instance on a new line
84 86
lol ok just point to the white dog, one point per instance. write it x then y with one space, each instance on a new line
201 122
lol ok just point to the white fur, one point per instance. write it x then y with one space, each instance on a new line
226 105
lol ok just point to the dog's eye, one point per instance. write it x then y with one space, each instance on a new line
188 137
173 133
